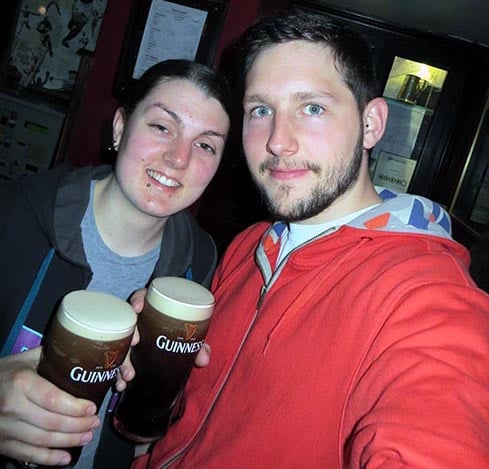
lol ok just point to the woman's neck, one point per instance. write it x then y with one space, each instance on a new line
125 230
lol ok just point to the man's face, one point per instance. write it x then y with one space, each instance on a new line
302 132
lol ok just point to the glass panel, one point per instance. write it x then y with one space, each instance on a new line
471 202
412 91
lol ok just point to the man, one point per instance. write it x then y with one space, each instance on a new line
348 333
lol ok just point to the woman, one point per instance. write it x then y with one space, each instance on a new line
107 230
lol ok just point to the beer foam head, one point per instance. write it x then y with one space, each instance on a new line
95 315
180 298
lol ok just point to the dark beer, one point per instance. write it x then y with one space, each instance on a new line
91 373
172 326
86 345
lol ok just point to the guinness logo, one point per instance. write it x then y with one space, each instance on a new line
190 330
110 358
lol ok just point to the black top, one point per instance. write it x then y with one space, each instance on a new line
43 211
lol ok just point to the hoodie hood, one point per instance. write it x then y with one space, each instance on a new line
59 199
399 213
405 213
59 196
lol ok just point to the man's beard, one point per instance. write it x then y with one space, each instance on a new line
338 180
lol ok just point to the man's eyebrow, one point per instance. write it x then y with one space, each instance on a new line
254 98
297 96
307 95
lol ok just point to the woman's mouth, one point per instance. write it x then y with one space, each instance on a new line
163 180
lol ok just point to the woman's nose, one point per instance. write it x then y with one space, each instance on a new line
179 156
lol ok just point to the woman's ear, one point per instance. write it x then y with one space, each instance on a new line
118 124
374 122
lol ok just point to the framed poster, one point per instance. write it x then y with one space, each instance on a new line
393 171
163 29
48 42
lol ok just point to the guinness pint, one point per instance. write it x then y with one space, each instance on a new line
172 327
86 344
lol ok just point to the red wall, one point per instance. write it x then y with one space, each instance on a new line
98 105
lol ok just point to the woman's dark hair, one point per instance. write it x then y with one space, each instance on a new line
351 52
211 83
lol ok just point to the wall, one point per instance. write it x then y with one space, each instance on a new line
91 130
466 19
97 105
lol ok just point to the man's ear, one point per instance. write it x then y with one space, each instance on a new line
374 122
118 125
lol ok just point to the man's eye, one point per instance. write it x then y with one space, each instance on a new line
314 109
261 111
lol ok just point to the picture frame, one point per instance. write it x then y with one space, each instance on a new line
164 29
45 47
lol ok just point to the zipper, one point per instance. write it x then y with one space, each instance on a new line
268 283
218 393
263 291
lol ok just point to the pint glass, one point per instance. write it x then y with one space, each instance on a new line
86 344
172 327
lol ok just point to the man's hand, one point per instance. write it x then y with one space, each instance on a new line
204 356
36 417
127 370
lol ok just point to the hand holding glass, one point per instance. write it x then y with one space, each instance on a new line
172 327
86 345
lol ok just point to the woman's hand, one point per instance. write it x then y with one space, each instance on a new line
36 417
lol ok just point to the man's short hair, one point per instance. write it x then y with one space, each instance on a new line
352 54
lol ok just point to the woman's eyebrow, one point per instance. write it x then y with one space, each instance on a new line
178 119
213 133
171 113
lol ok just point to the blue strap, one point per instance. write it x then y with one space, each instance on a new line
26 307
188 274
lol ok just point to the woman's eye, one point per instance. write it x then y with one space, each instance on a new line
206 147
261 111
160 128
313 109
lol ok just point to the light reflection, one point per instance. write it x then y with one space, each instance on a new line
424 72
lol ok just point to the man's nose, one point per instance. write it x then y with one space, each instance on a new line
282 141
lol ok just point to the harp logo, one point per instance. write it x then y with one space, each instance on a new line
190 330
110 359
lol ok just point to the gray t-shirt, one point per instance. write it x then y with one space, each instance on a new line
114 274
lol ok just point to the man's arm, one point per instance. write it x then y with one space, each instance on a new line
422 395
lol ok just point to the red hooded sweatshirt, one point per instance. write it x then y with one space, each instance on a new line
366 347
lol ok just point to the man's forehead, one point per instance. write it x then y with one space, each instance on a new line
305 67
320 50
292 54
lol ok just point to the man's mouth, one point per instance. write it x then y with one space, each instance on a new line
163 180
279 165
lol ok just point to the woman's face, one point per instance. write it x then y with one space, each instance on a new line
170 147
